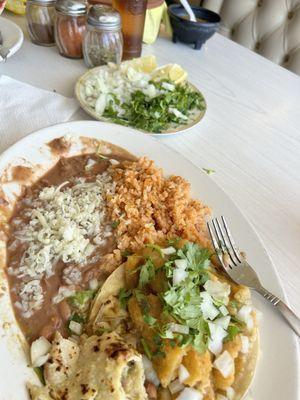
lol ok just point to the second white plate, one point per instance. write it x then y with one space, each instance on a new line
12 36
172 131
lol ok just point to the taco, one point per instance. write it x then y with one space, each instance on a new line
196 330
95 368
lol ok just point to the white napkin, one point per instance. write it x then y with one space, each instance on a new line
25 109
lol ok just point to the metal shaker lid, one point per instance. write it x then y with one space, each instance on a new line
71 7
104 16
42 2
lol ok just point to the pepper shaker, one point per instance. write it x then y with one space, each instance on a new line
40 16
103 41
70 26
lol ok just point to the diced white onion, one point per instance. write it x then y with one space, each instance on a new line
168 86
39 348
217 334
179 275
245 344
223 321
75 327
218 290
101 104
207 307
150 373
223 310
179 328
244 314
90 163
225 364
230 393
190 394
93 284
113 161
175 386
168 250
183 373
40 361
177 113
181 264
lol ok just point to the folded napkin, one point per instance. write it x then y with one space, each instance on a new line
25 108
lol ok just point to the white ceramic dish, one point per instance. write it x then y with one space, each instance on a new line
169 132
277 375
12 36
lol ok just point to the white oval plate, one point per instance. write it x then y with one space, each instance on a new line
169 132
277 375
12 36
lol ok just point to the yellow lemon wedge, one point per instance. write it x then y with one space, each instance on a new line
146 64
16 6
174 72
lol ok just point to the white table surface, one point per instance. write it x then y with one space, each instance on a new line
250 135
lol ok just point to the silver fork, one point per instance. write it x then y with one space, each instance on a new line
4 51
237 268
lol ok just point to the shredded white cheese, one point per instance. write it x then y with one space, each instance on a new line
63 223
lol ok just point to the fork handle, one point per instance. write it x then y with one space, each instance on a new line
286 312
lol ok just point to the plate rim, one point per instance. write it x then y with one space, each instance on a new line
19 42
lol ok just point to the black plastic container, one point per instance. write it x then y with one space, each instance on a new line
195 33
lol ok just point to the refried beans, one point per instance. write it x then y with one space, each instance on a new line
54 312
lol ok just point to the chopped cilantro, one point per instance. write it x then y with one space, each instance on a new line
142 300
182 303
174 241
124 297
159 353
238 322
157 339
197 257
40 374
149 319
233 304
166 333
232 331
209 171
81 299
101 331
115 224
146 348
155 114
147 273
169 267
126 253
77 318
156 248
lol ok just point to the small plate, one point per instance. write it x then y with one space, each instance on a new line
12 36
178 129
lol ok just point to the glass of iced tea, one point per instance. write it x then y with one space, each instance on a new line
133 18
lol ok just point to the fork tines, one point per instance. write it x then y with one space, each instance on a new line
226 249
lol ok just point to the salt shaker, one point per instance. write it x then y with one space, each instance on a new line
40 16
103 41
70 26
